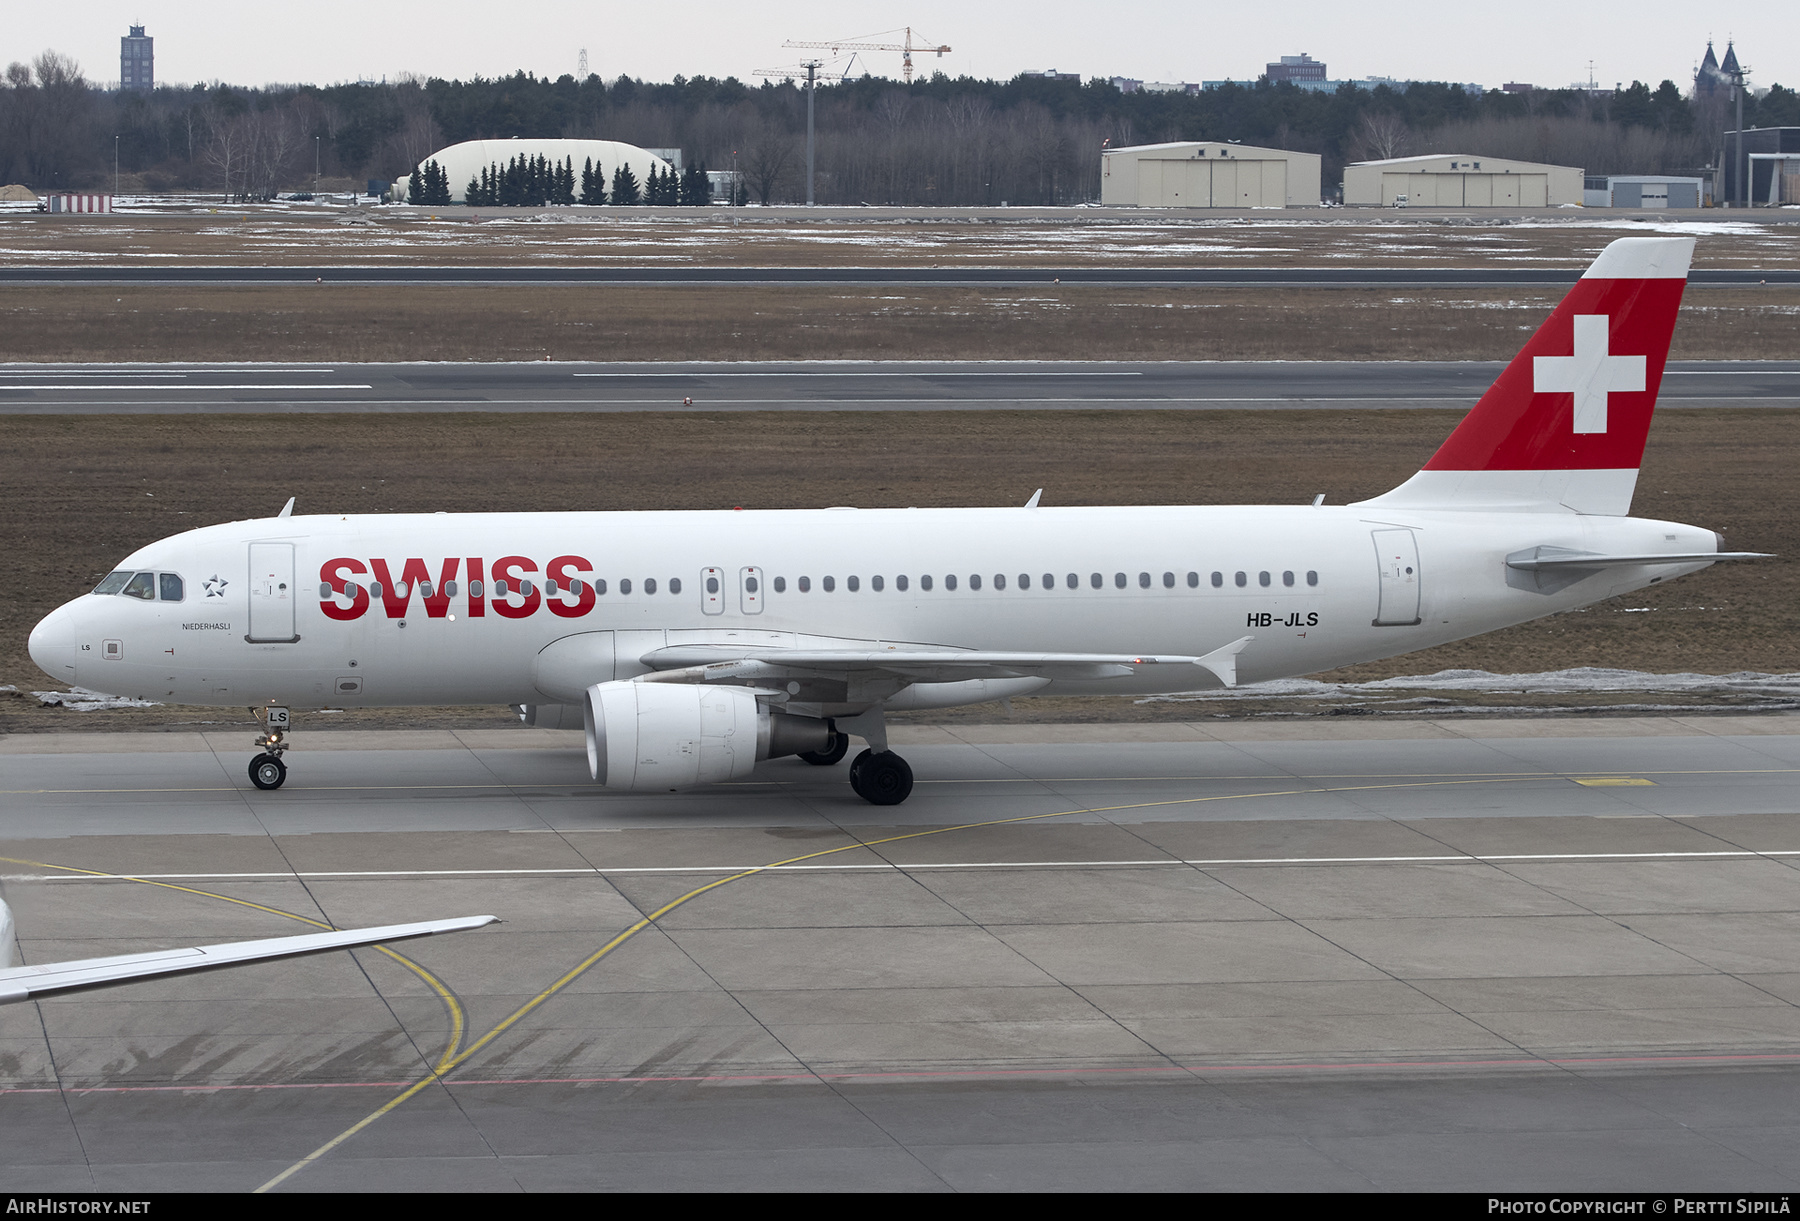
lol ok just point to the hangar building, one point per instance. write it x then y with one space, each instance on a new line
1643 191
462 162
1461 180
1208 174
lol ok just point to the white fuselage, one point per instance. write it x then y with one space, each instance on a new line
1320 587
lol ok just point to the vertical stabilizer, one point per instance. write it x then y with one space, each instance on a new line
1563 428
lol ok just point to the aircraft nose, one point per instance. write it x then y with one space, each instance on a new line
52 644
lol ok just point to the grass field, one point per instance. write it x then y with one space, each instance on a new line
1049 321
286 235
82 492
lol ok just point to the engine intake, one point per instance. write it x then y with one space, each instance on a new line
647 737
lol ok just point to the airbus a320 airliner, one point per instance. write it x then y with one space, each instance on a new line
691 646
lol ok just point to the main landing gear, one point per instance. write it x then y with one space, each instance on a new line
267 771
881 777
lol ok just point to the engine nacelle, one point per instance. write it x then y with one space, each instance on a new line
648 737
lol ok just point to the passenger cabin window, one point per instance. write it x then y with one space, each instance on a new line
675 585
599 586
853 584
877 584
142 585
950 581
624 586
1287 578
974 580
828 584
1168 580
925 582
1241 580
780 585
649 585
900 582
475 588
113 583
1144 580
999 580
1096 580
1262 579
1118 580
1024 580
805 584
1074 581
171 587
1218 580
1312 578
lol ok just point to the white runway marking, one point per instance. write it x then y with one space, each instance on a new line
1453 858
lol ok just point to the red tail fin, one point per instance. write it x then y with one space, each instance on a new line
1563 427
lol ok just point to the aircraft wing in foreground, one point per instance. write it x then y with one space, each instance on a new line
23 983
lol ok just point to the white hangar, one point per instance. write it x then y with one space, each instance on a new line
1208 174
1460 180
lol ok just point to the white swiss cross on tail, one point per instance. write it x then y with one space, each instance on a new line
1590 375
1562 429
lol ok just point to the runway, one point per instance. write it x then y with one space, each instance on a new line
1219 277
1324 954
819 386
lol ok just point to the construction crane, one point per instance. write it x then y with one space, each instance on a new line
856 44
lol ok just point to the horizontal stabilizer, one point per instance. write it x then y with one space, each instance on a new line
22 983
1551 559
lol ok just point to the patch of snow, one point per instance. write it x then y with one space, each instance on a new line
1581 680
79 699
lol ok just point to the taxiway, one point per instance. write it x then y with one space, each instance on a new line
1335 954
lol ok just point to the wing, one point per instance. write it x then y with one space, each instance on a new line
757 664
22 983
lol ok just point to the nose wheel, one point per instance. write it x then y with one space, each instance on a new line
267 771
881 778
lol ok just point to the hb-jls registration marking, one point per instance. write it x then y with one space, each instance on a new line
1267 619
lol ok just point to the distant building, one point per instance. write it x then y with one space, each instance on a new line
1296 68
1126 84
1208 174
1459 180
1320 85
1517 87
1713 78
137 61
1771 155
1642 191
1187 87
1051 74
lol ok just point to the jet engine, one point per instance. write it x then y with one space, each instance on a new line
646 737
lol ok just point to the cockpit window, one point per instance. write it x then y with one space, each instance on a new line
170 586
142 585
113 583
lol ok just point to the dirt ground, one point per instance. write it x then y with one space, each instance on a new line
1050 322
83 491
290 235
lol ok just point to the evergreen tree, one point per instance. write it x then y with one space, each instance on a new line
593 184
625 187
696 187
472 192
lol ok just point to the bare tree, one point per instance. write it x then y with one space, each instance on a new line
1380 136
767 158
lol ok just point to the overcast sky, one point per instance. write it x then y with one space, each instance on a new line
1546 42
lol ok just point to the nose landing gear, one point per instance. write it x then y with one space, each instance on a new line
267 771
